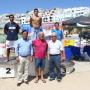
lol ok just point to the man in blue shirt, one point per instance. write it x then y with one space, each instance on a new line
11 29
58 32
24 52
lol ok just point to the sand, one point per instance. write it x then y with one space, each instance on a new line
75 81
78 80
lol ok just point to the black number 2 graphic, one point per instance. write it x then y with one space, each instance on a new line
8 71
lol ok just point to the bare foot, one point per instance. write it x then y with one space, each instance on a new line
36 80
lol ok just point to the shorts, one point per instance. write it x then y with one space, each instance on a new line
39 63
10 44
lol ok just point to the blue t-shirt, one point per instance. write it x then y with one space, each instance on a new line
58 33
26 27
11 30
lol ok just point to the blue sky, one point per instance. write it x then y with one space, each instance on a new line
19 6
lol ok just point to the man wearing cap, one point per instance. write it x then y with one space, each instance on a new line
55 49
23 51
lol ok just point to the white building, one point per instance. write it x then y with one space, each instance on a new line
57 14
53 15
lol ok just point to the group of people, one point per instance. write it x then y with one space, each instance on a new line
35 49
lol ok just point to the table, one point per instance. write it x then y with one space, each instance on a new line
72 51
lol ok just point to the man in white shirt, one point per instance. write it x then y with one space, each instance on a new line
55 49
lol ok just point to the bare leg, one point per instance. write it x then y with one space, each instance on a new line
37 74
8 53
42 73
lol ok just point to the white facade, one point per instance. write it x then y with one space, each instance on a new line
53 15
57 14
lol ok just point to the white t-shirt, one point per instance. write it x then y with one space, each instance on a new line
55 47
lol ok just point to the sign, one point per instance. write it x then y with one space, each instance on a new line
69 42
7 71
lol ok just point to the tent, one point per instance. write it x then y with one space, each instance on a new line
81 21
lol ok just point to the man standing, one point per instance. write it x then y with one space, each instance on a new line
58 32
40 51
24 51
35 22
55 50
11 29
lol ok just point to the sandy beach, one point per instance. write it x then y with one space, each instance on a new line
78 80
75 81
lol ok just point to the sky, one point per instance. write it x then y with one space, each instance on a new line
21 6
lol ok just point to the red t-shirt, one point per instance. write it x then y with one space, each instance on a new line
40 48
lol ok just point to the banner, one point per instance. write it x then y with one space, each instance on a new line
70 42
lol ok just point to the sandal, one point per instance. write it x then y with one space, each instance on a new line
43 80
36 81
